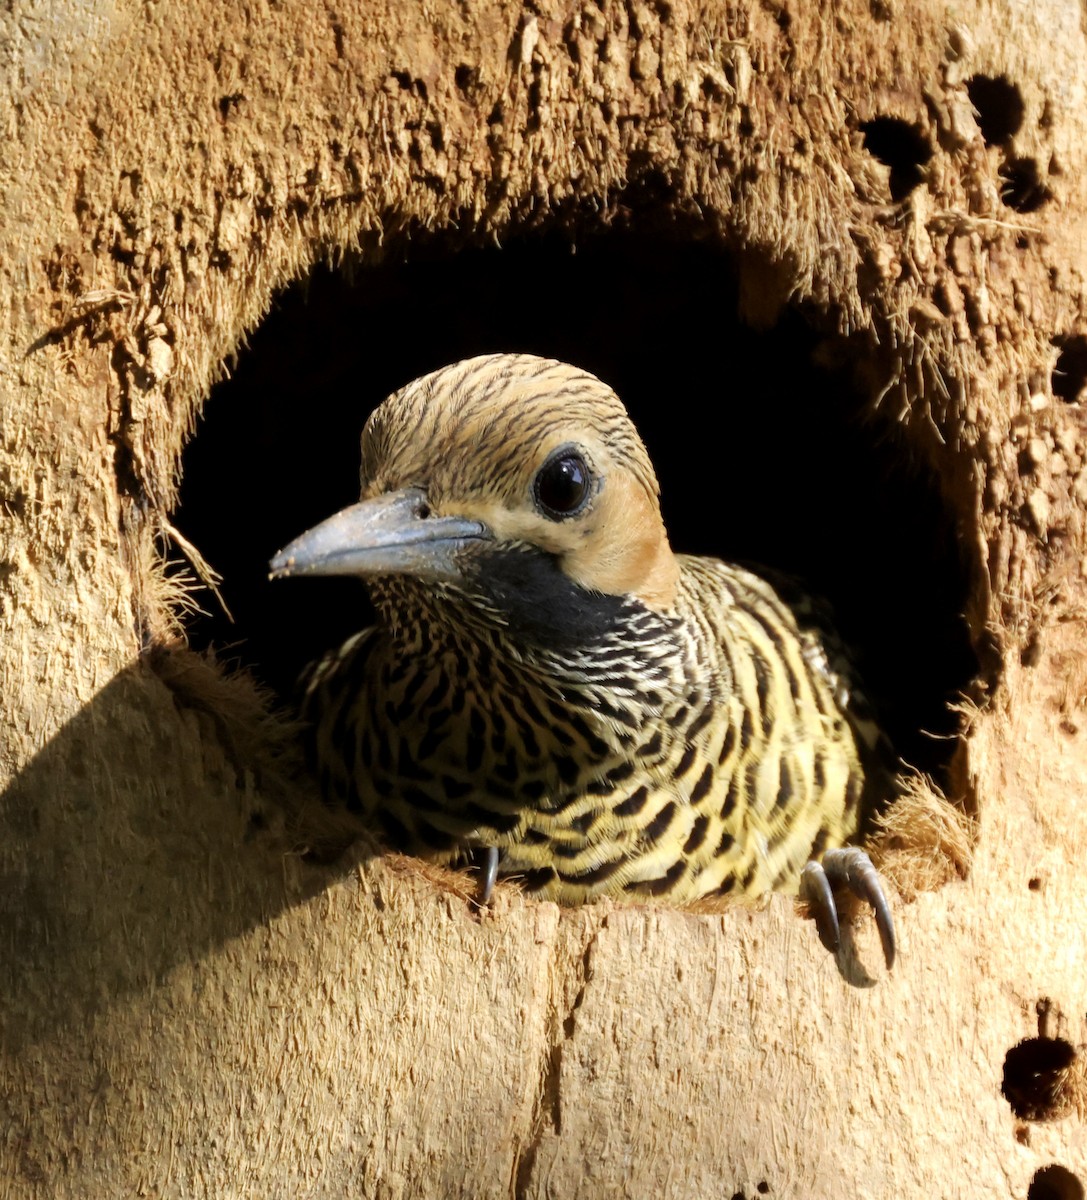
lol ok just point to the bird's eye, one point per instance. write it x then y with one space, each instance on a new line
563 485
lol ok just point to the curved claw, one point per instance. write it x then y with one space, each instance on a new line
848 866
487 864
854 868
815 889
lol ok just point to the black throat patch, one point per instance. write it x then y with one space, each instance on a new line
541 604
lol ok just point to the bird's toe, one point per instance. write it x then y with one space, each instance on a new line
848 867
485 860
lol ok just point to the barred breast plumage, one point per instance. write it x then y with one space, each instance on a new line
549 683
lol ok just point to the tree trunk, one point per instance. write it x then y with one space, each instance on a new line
188 1005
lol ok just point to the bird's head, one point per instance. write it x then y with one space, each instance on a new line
498 474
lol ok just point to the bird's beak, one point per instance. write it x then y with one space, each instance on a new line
395 534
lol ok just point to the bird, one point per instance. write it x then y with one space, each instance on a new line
550 692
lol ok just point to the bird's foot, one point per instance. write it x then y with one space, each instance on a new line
850 867
485 861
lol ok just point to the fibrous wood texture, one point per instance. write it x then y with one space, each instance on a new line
188 1009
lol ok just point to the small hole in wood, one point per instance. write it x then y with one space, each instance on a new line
1038 1078
1055 1183
1070 369
998 105
900 146
1021 186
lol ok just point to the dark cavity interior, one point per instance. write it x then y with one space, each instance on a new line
760 452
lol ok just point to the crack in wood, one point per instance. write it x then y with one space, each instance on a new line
547 1108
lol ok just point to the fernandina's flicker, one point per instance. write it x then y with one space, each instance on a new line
550 689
